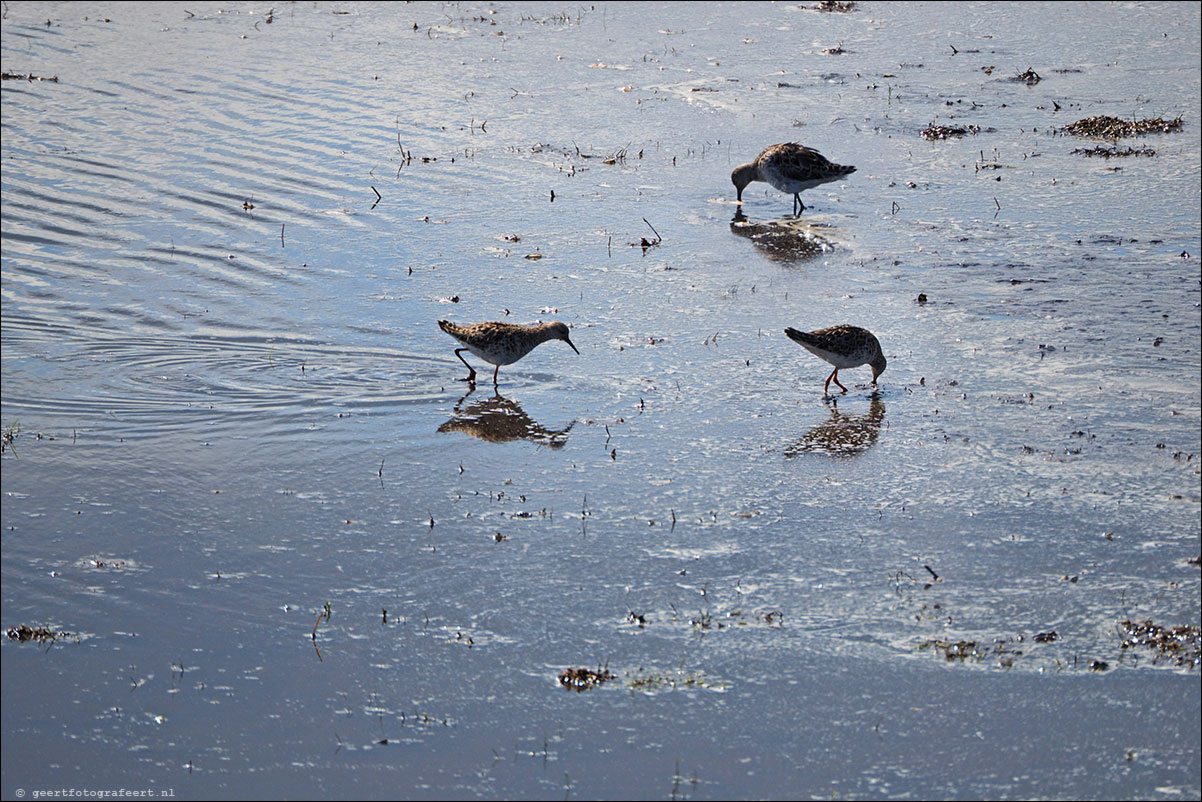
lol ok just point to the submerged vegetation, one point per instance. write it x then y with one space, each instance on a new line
10 435
24 633
1106 127
583 679
1110 153
933 132
651 682
960 650
1028 77
1182 645
834 6
1179 646
11 76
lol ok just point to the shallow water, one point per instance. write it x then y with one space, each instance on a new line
231 417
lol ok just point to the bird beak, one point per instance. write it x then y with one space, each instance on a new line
569 342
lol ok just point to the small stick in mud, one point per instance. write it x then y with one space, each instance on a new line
658 239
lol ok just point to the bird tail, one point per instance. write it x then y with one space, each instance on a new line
797 336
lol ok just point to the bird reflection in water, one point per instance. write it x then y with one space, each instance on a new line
501 420
785 240
842 435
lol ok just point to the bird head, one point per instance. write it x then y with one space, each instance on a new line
741 176
560 332
878 367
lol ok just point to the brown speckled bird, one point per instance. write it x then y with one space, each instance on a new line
502 343
790 167
844 347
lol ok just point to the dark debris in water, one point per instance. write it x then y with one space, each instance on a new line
933 132
651 682
833 6
1106 127
8 440
583 679
960 650
1005 649
1182 645
1110 153
1029 77
11 76
25 633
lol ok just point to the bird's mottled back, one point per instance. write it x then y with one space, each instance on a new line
844 347
503 343
790 167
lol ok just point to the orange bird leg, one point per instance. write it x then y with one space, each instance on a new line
835 376
472 376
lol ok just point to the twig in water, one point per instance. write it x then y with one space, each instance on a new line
658 238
